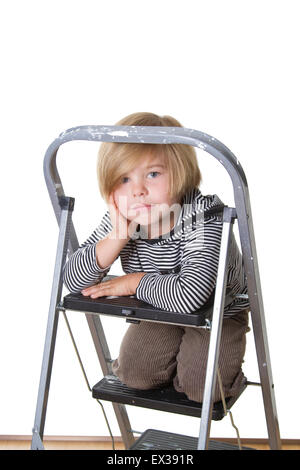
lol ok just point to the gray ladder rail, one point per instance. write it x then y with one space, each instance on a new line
67 205
170 135
101 347
216 330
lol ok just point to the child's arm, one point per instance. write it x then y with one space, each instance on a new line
82 268
108 249
93 259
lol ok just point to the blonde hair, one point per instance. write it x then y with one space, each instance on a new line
117 159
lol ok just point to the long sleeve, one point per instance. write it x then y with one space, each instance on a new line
189 289
82 270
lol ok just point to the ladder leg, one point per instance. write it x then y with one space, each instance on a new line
258 323
104 357
216 329
264 365
67 205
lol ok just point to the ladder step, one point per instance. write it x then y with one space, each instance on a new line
167 399
135 310
153 439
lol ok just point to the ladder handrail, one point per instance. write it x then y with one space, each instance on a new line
143 134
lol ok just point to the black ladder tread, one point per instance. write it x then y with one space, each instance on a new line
153 439
131 308
164 399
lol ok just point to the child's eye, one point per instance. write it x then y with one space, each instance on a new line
154 172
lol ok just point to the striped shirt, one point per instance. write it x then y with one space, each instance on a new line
181 266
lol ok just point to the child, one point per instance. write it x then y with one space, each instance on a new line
152 191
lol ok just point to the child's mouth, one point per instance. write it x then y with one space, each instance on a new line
143 207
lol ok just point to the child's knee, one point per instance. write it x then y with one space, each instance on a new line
192 383
185 382
141 375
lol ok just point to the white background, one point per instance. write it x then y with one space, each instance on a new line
230 69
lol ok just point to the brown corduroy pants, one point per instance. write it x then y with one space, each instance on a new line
153 355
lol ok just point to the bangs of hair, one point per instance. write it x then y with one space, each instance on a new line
117 159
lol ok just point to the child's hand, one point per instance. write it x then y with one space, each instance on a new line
122 227
119 286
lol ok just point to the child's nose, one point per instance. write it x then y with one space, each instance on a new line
139 189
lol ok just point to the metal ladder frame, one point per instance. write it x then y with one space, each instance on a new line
67 242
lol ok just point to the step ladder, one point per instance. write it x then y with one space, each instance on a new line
133 310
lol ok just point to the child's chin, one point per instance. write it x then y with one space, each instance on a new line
145 219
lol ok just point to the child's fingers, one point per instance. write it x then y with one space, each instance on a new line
113 210
97 291
94 294
89 290
101 291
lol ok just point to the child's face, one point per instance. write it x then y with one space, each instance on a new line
143 194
